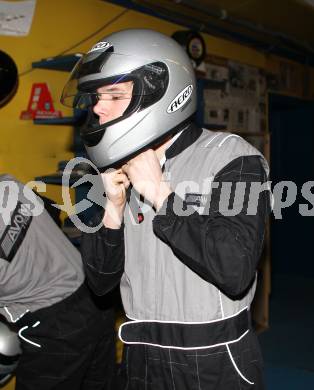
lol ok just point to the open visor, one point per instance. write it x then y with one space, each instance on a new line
111 76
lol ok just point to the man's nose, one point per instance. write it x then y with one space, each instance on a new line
101 108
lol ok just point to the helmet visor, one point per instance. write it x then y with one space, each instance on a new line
110 76
120 88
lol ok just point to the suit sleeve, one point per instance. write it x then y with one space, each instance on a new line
224 250
103 258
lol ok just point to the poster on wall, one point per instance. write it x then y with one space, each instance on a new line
16 17
244 82
216 117
234 97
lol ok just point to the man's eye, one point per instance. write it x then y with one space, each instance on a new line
100 96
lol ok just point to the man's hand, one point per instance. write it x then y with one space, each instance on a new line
116 183
144 172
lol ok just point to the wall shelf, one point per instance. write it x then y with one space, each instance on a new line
56 178
77 119
68 120
64 62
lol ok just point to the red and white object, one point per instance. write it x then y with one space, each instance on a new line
40 105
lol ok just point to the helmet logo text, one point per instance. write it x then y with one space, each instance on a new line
100 46
180 100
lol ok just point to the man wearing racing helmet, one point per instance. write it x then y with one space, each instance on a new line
186 263
110 109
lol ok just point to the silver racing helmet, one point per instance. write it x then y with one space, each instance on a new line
162 98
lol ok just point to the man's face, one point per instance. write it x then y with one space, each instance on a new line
113 100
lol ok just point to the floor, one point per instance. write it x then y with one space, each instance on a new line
288 345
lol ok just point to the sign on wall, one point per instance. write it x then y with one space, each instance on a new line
16 17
